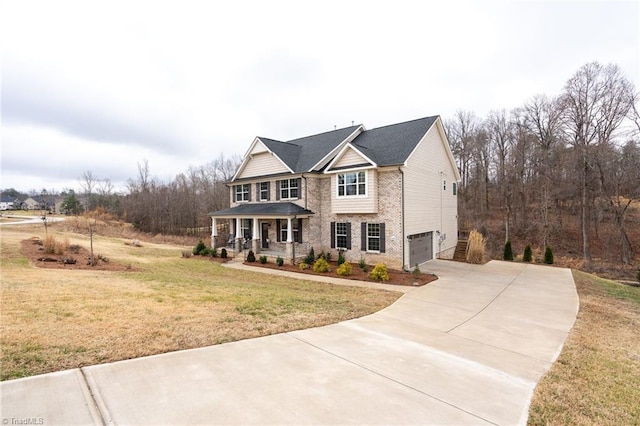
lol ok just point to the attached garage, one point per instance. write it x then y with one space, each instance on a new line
420 248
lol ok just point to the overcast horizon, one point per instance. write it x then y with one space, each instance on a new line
103 86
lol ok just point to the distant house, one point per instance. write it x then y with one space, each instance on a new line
383 195
7 203
30 203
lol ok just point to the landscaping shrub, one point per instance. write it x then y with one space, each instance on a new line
205 252
213 252
186 254
527 256
223 253
379 272
75 248
327 256
263 259
475 251
416 272
311 257
344 269
365 268
340 257
199 247
321 265
304 266
508 251
362 264
279 261
251 257
548 256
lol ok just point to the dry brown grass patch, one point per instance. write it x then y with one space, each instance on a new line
596 379
59 319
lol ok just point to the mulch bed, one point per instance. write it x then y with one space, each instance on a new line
395 277
34 251
216 259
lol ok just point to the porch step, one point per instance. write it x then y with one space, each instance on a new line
460 255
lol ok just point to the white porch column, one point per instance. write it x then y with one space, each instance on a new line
255 242
289 231
256 231
238 228
214 231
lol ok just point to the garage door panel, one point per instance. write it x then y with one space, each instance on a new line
420 248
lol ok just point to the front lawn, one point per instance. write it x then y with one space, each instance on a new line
56 319
596 379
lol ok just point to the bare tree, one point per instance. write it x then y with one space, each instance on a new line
88 183
500 131
596 100
543 118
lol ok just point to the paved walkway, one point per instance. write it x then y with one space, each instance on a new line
466 349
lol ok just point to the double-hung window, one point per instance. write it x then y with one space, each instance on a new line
243 192
263 191
289 189
350 184
373 237
245 228
341 235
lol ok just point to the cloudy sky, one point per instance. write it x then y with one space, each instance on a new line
103 85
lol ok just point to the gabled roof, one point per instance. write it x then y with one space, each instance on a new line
301 155
392 145
384 146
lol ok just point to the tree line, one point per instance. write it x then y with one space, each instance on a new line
575 152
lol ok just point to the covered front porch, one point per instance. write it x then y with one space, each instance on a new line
268 229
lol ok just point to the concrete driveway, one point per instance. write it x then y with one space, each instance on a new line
466 349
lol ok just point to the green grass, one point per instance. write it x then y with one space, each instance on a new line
596 379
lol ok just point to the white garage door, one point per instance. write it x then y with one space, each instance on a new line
420 248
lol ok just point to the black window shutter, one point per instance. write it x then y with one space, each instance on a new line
258 198
363 236
299 187
277 190
249 191
299 231
348 235
333 235
278 230
268 191
382 242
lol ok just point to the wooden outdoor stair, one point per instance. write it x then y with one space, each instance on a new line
460 255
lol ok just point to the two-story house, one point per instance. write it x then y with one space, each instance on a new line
383 195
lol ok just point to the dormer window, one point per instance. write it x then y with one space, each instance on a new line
352 184
242 193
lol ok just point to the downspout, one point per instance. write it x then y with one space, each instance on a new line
306 193
402 208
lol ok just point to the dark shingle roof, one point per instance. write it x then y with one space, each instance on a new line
392 145
264 209
300 155
388 145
